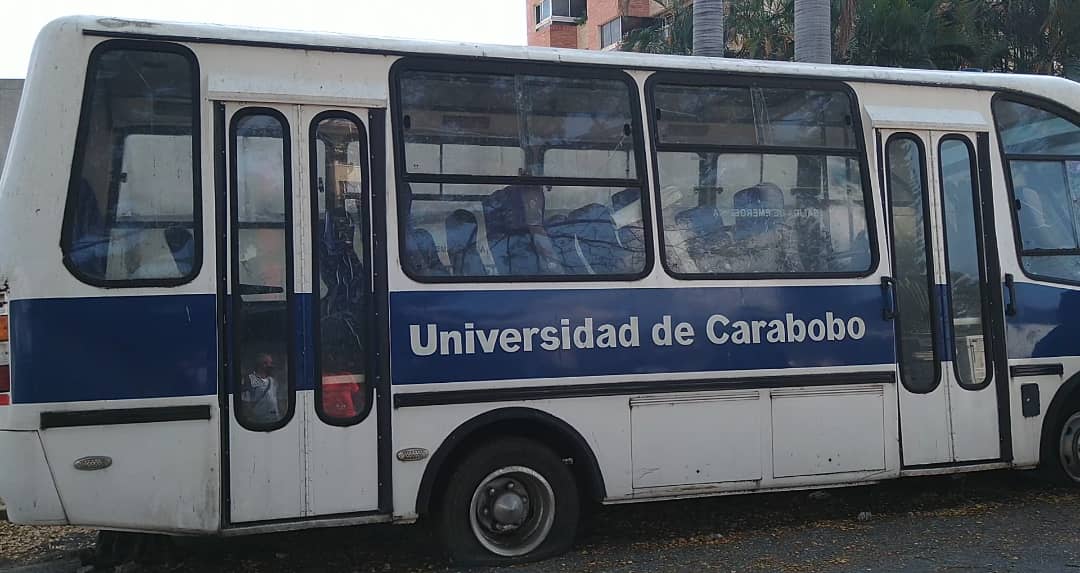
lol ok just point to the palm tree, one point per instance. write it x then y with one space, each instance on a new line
896 33
813 31
709 28
672 34
760 29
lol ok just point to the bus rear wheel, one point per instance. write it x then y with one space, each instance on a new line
509 501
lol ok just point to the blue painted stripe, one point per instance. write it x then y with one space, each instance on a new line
113 348
129 347
1046 323
488 310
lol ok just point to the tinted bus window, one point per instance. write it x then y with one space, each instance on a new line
519 175
753 116
760 181
132 213
262 268
915 289
964 254
1042 150
338 178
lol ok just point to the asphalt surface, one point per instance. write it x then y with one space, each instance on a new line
1002 521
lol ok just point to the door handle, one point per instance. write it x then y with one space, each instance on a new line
1010 295
888 295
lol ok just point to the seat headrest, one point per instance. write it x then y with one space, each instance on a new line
461 228
624 198
767 194
702 218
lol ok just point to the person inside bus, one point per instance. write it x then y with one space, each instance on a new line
262 396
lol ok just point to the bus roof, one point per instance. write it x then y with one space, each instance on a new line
1059 88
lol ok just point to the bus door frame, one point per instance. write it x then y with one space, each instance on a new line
374 120
916 452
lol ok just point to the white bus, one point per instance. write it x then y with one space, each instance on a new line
262 281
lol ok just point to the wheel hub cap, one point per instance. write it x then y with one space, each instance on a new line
509 509
512 511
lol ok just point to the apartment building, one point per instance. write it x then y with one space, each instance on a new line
586 24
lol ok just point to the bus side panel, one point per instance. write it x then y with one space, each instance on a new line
162 476
27 486
1044 332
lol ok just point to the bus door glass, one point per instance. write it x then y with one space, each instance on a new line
945 306
301 437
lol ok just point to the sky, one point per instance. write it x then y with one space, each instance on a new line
484 21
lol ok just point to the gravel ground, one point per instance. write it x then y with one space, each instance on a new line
987 522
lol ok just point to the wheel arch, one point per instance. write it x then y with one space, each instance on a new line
513 421
1066 394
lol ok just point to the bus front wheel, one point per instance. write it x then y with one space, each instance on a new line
1066 468
512 500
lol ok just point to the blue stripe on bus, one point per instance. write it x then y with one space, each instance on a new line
129 347
1046 323
113 348
486 311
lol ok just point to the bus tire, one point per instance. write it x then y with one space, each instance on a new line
512 500
1063 447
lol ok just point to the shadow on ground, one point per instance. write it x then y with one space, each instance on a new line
973 522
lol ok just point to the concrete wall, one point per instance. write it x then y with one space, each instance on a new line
10 90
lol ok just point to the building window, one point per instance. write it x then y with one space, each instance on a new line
611 33
559 10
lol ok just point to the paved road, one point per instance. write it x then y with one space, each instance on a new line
989 522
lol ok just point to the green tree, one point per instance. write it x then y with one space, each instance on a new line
760 29
672 34
1023 36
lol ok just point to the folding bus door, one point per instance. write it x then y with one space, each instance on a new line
301 437
947 309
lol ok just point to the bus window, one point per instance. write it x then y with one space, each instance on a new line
915 291
262 269
131 216
963 251
1042 150
343 394
760 181
519 175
